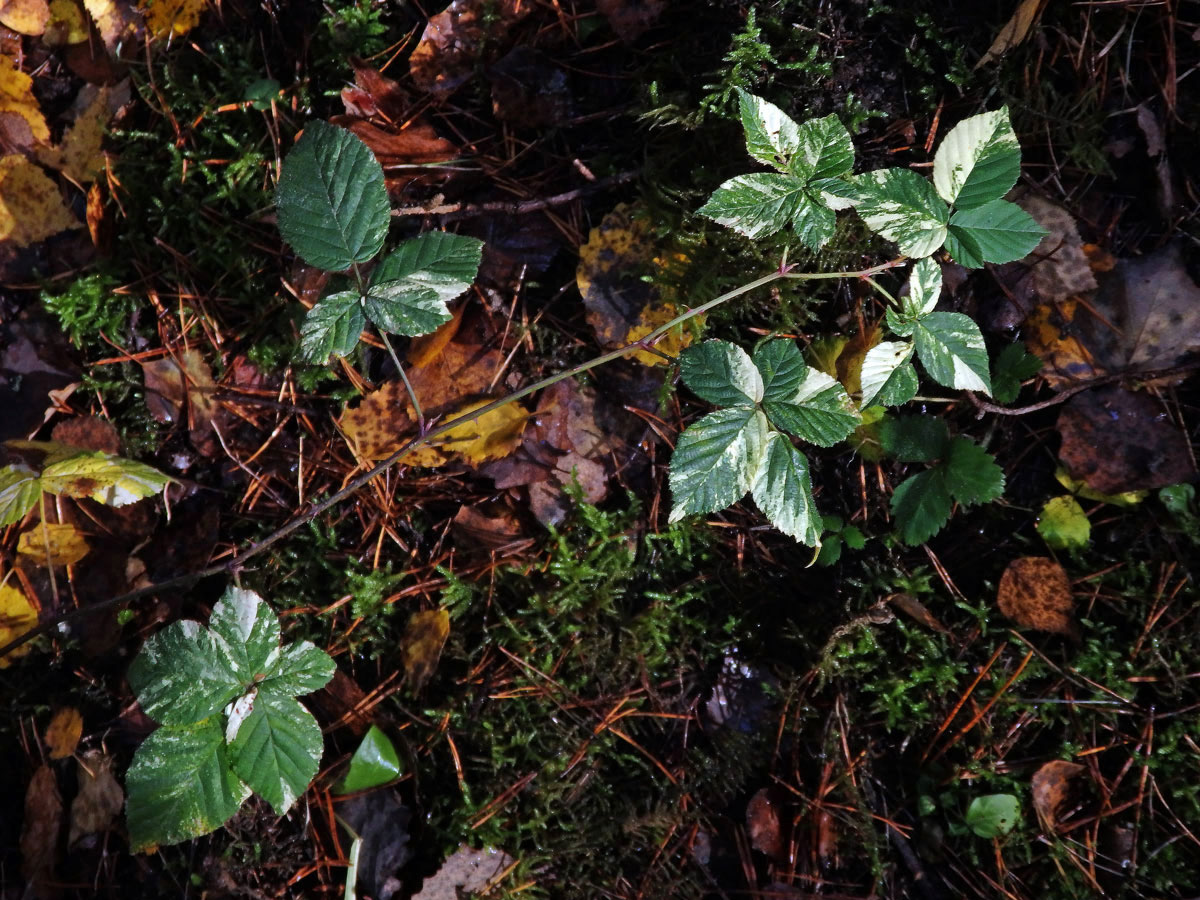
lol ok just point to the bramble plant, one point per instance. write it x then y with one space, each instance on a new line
225 697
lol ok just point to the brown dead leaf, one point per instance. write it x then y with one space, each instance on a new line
453 42
915 609
100 798
41 830
25 16
112 18
1117 441
631 18
17 616
1052 787
425 349
63 733
764 824
1015 30
171 380
15 134
466 872
422 644
52 544
16 96
88 432
1035 592
491 528
97 226
1062 269
80 156
31 207
171 18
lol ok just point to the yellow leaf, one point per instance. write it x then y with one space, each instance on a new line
491 436
67 24
24 16
112 19
80 156
17 616
1079 488
422 644
107 479
672 343
31 207
62 544
1015 30
165 18
823 353
16 95
63 733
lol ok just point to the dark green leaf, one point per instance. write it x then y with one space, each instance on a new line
180 785
950 347
721 373
972 475
715 460
277 750
332 203
854 538
782 489
826 148
250 631
978 161
333 326
183 674
1012 366
1002 232
914 438
813 222
300 669
443 262
921 506
403 307
782 367
818 410
374 763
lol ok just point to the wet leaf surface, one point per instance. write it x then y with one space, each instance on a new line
1054 785
99 800
421 645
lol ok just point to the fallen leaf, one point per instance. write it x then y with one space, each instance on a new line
100 798
380 825
453 42
1052 786
112 19
421 645
41 830
17 616
16 95
491 436
1061 267
1117 441
467 871
80 156
672 343
89 433
1015 30
16 136
25 16
171 380
1080 489
53 544
67 24
1063 524
63 733
631 18
1035 592
764 824
491 528
915 609
171 18
425 349
31 207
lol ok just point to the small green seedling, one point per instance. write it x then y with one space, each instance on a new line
993 815
225 697
374 763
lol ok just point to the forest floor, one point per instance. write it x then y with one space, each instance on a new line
584 699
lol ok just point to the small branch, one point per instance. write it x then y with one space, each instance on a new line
1063 396
449 212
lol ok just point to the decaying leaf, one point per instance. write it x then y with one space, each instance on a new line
1063 524
1061 268
25 16
491 436
17 616
422 644
100 798
31 207
16 96
172 380
41 829
1035 592
915 609
53 544
466 872
1015 30
88 433
612 276
167 18
631 18
66 25
1052 787
453 41
112 18
1117 441
764 824
63 733
80 155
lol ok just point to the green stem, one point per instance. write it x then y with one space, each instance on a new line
233 566
412 394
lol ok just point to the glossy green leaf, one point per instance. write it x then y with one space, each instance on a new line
782 367
1013 365
756 205
332 327
993 815
1064 525
402 307
772 136
443 262
300 668
331 201
997 232
374 763
180 785
721 373
782 489
183 674
921 506
903 207
978 161
19 492
250 631
914 438
818 410
277 750
950 347
715 460
972 476
888 377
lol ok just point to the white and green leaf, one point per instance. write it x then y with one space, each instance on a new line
111 480
332 203
277 750
715 461
249 629
782 489
979 160
19 493
772 136
184 673
888 377
950 347
443 262
924 289
300 668
782 367
721 373
826 148
818 411
756 205
813 222
404 307
180 785
996 232
903 207
332 327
